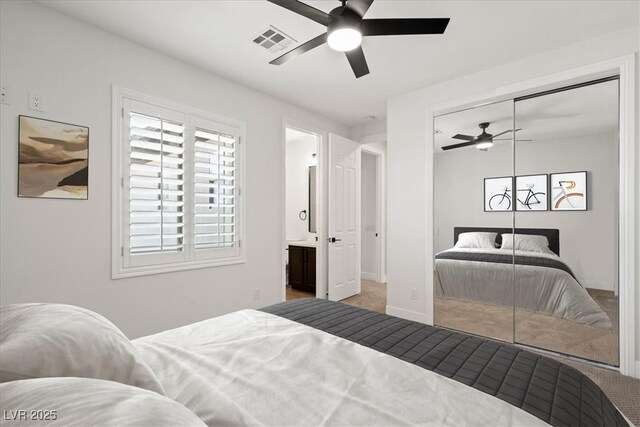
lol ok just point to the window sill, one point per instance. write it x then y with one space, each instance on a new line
120 272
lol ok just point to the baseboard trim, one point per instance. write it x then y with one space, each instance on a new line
406 314
594 284
368 276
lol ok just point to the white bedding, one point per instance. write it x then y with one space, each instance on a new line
82 402
254 368
539 289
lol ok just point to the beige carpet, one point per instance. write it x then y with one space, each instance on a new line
373 296
623 391
535 329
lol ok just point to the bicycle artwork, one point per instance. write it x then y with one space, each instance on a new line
498 194
569 191
531 193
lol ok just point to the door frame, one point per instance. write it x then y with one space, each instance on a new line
321 206
381 203
625 68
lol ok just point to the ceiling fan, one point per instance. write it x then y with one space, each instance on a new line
346 27
483 142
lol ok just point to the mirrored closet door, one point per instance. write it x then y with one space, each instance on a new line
473 198
566 169
526 221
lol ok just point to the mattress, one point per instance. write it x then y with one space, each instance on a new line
553 392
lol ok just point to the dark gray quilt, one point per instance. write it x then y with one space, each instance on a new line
550 390
506 259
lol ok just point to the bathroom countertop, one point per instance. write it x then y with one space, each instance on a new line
306 243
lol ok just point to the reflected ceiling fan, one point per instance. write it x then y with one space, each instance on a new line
483 142
346 27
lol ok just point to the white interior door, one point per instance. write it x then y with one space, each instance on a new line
344 218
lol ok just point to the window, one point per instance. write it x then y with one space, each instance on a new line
177 200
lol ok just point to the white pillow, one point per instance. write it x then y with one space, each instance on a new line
526 242
480 240
86 401
59 340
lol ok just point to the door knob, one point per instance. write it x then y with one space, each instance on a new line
333 240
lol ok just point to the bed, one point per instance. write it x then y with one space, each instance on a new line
543 282
303 362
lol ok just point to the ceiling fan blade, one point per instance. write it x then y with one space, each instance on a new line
502 133
391 27
359 6
464 137
305 47
358 62
462 144
517 140
305 10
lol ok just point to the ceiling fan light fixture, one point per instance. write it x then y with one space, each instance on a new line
484 145
344 39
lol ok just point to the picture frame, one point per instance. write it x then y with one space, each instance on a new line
569 191
498 194
532 193
53 159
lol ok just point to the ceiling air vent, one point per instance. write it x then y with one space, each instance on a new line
273 39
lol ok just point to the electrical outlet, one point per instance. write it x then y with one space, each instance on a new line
257 293
5 95
414 293
35 101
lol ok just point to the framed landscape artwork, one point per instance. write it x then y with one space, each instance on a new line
569 191
531 193
53 160
498 194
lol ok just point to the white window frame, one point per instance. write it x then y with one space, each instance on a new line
121 267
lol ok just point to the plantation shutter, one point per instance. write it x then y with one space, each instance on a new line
156 184
216 189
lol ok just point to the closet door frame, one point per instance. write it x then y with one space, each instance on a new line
625 68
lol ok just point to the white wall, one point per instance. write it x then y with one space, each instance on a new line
410 171
369 216
59 250
369 128
299 158
587 239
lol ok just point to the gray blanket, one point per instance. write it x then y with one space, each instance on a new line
507 259
538 282
550 390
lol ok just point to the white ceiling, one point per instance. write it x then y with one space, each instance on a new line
216 36
585 111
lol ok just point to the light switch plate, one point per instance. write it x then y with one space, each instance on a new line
5 95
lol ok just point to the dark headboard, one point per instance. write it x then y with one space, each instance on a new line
552 234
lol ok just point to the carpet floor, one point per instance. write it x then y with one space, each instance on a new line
535 329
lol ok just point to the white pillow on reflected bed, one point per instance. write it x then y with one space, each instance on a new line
477 240
86 401
59 340
527 243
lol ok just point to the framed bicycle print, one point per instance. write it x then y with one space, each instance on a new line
498 193
531 193
569 191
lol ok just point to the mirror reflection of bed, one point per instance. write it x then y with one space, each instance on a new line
477 286
545 187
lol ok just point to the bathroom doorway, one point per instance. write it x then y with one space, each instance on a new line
303 256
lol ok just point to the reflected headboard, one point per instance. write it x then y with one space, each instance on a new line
552 234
